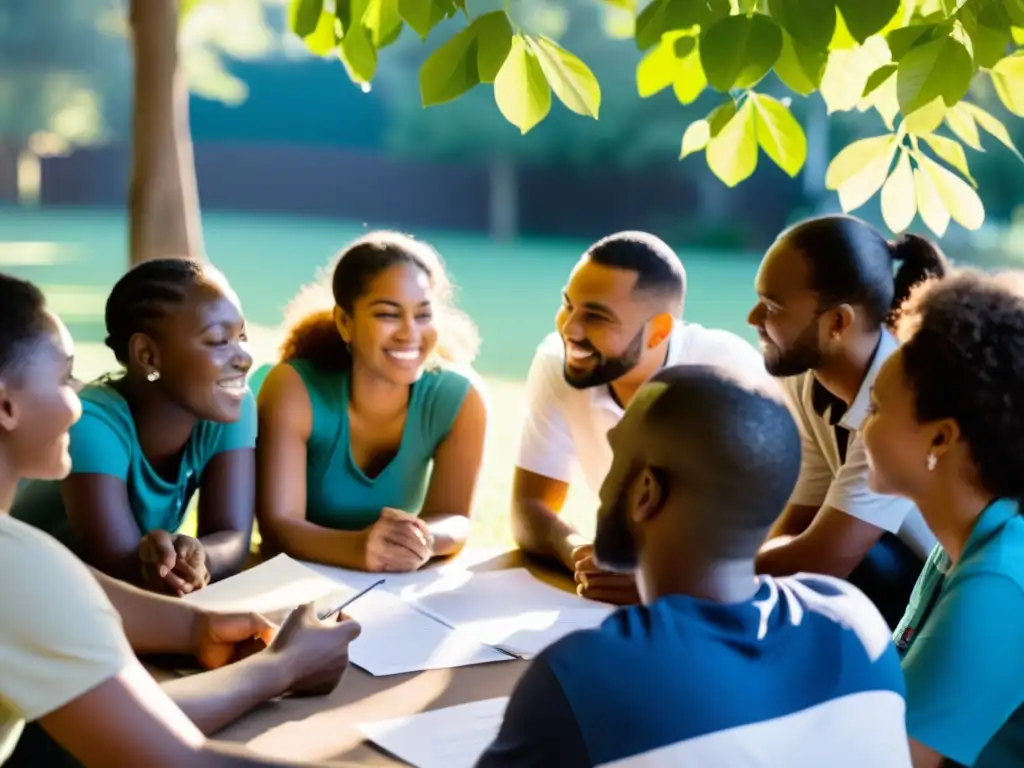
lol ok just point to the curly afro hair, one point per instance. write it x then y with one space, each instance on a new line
963 355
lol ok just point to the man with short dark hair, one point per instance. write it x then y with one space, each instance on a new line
718 666
618 325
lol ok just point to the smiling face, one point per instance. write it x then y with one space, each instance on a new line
602 322
787 313
391 330
38 405
201 351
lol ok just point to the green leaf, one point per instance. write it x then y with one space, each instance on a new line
779 134
451 70
878 77
1008 79
494 40
695 138
521 91
902 39
570 79
988 26
866 17
383 22
798 67
738 51
951 152
847 72
720 116
811 22
961 123
1017 33
898 204
304 15
663 16
732 154
926 119
422 15
358 54
842 39
856 157
1015 10
321 40
658 68
690 79
933 212
883 100
956 195
992 126
942 67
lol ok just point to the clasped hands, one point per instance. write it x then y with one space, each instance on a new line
173 562
398 542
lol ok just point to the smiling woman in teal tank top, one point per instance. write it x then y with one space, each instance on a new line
371 440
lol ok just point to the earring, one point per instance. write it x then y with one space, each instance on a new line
152 375
931 461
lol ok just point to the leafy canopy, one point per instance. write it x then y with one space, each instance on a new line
911 61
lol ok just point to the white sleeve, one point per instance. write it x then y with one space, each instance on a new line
736 355
546 446
815 478
849 493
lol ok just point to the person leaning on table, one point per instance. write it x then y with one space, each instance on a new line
66 655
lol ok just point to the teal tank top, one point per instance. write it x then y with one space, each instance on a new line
338 494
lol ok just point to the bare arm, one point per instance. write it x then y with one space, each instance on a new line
152 623
537 502
924 757
457 464
285 424
227 499
834 544
794 520
102 523
128 720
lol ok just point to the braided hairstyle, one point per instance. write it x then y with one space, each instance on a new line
142 298
22 319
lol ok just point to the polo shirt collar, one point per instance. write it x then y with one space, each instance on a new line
601 397
990 522
852 417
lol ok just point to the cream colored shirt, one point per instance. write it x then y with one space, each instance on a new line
59 635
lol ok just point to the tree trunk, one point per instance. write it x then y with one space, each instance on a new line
163 198
504 199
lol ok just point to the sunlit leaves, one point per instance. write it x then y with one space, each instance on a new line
738 51
521 91
779 134
866 17
675 62
1008 79
732 154
570 79
942 67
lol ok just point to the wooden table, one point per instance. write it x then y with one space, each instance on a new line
323 728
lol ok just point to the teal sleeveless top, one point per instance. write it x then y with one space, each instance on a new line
338 494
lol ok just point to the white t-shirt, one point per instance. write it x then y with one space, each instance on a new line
826 480
59 635
566 428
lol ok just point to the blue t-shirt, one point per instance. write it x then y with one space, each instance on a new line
961 644
804 675
104 442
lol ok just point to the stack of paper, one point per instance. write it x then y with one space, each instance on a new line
454 737
396 637
509 609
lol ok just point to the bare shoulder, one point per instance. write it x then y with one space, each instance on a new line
284 400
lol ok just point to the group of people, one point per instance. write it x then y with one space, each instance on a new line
818 548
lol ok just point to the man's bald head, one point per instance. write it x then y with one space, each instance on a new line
721 452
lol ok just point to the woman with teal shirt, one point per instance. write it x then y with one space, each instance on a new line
370 440
947 431
180 419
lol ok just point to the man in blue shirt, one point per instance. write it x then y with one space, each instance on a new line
717 667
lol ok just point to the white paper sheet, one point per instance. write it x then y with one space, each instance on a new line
453 737
397 638
393 582
509 609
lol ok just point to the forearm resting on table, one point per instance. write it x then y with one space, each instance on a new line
152 623
540 531
786 555
226 552
214 699
450 531
304 540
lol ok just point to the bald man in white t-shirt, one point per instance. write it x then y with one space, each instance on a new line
618 325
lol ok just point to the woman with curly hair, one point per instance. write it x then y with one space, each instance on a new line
946 429
370 440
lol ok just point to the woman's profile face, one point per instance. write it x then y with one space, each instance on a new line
40 405
391 331
897 445
201 352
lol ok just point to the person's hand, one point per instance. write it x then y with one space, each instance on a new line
397 542
594 583
173 562
314 652
224 638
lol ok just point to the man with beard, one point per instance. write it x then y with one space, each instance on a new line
718 666
825 293
617 326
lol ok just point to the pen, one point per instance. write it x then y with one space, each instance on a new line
337 609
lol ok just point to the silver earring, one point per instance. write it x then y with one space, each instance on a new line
152 375
931 461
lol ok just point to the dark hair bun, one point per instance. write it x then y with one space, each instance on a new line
920 259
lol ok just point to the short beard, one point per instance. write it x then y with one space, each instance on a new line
609 369
804 355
